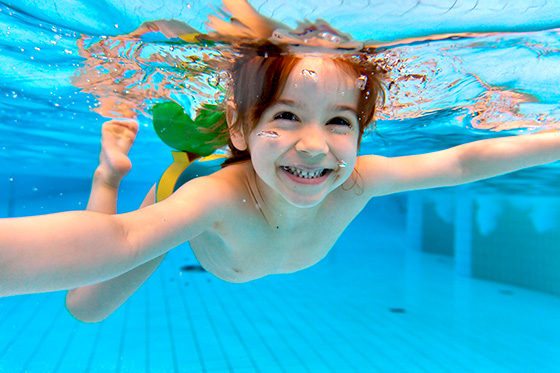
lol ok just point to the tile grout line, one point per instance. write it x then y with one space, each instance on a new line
46 332
212 325
257 331
121 342
319 334
191 324
328 321
95 344
25 325
265 316
147 323
326 306
66 347
169 322
384 327
22 299
234 327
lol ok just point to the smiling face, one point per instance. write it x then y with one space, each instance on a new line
302 139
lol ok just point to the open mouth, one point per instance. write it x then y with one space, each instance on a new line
314 174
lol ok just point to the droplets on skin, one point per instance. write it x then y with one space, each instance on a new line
309 74
361 82
269 134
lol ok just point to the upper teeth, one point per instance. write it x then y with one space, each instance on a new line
306 174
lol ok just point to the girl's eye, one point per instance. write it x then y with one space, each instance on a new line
286 115
340 122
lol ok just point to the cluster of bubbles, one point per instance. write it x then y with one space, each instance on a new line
268 134
310 74
361 82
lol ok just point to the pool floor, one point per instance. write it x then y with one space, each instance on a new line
360 310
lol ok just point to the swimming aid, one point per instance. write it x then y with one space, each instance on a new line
186 167
194 141
197 38
202 136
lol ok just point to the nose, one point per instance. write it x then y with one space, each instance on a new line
312 142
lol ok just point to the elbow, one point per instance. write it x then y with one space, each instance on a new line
127 243
466 169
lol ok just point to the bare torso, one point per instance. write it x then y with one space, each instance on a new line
261 242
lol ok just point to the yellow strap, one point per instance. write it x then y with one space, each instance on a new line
169 178
181 161
212 157
190 38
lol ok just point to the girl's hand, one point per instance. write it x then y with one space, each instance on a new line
171 28
245 22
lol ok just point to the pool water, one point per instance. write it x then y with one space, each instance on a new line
451 280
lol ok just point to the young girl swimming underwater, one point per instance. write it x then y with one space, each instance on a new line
293 185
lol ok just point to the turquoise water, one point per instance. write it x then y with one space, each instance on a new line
458 279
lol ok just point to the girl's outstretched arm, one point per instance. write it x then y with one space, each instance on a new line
458 165
72 249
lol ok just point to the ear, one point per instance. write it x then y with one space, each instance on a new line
236 135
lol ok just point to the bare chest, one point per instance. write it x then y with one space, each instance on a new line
251 248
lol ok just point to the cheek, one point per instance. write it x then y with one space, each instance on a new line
349 146
267 146
264 154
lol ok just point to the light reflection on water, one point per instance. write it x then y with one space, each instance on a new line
440 93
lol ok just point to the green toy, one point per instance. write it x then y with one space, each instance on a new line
195 140
201 136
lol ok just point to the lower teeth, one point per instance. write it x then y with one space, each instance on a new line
322 173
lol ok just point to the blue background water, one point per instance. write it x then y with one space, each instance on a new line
461 279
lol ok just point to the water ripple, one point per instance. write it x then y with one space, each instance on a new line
61 64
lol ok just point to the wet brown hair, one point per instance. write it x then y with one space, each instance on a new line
260 72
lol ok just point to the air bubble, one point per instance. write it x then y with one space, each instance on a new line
330 37
342 164
310 74
213 81
361 82
269 134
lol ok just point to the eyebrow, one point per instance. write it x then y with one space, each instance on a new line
287 102
346 108
293 103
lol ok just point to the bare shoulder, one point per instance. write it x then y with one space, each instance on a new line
217 191
215 187
196 207
375 175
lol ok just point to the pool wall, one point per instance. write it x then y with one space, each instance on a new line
511 239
